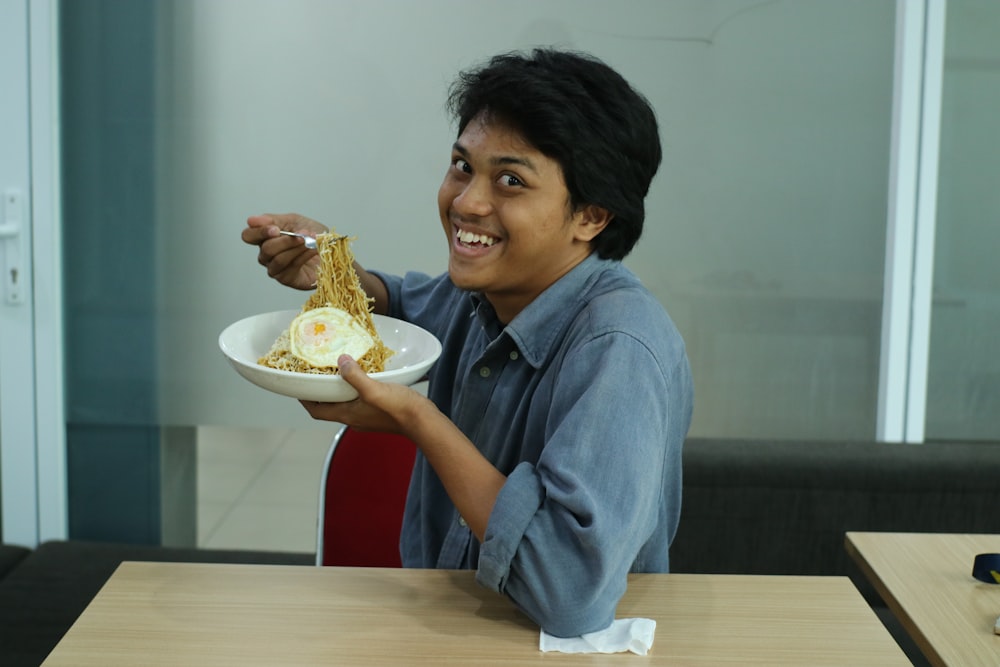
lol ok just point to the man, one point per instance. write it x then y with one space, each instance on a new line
550 440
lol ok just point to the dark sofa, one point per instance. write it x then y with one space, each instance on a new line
752 507
765 507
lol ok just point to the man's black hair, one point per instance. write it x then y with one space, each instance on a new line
580 112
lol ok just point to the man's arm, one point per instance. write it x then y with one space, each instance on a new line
472 482
566 530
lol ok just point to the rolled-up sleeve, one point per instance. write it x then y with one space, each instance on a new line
565 532
521 498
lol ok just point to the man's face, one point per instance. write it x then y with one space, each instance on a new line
505 211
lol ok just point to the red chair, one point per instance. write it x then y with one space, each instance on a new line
362 494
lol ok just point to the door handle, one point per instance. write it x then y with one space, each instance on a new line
11 227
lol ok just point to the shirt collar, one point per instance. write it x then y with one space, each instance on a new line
536 329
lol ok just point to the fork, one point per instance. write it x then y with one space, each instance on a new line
310 241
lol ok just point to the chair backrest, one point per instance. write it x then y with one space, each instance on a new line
362 494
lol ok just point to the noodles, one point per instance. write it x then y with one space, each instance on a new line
337 286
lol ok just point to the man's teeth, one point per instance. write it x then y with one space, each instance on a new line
469 237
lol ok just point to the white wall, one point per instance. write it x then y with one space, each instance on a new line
765 229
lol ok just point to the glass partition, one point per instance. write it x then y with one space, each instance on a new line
765 236
964 370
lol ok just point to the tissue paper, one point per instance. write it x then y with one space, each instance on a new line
624 634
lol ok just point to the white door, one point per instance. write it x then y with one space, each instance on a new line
32 451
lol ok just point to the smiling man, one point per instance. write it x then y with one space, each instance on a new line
507 209
550 439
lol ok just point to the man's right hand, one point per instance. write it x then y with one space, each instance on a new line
286 258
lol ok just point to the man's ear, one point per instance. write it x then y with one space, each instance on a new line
591 221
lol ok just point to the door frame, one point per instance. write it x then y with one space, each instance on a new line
32 429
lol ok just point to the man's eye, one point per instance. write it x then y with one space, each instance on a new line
461 165
510 180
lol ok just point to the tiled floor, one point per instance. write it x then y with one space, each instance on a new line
258 488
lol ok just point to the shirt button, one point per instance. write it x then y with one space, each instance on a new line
514 355
484 372
462 523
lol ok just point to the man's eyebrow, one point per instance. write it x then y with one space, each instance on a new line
500 160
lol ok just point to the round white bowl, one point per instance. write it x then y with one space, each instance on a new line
246 341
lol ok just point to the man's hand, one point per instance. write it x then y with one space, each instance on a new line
380 406
286 258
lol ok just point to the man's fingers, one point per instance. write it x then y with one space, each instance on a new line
350 370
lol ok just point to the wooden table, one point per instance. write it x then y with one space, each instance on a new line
197 614
926 579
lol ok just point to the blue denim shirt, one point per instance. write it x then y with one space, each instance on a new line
583 401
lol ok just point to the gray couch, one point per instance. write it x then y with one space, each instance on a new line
765 507
754 507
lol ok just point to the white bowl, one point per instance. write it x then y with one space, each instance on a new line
246 341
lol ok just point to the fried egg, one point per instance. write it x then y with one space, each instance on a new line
319 336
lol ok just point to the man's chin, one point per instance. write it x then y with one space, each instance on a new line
464 284
464 279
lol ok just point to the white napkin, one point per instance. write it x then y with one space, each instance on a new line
624 634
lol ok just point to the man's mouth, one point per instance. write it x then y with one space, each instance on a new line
472 239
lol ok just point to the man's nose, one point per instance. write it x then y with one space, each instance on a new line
474 199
